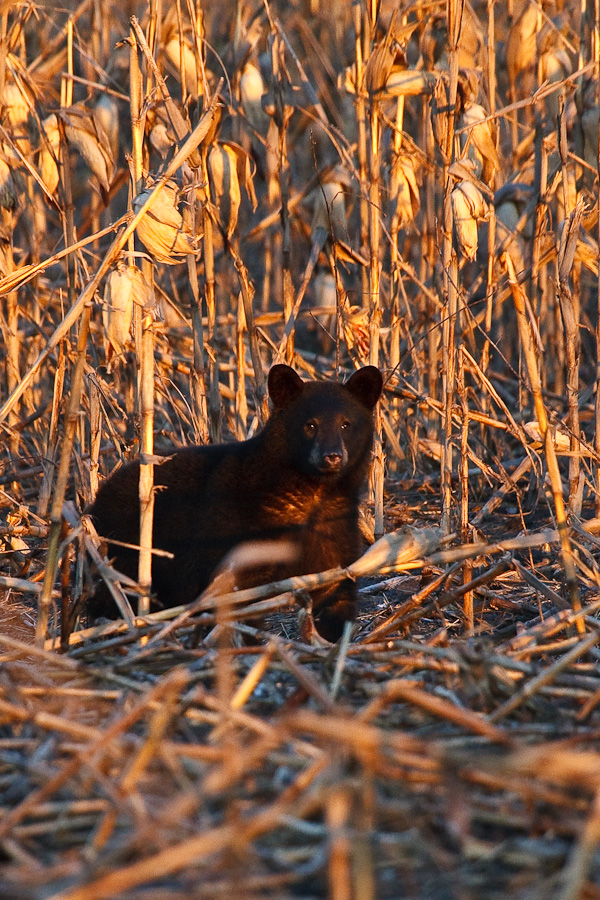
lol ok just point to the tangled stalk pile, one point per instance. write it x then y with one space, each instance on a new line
189 194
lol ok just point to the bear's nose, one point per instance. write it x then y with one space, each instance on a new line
333 460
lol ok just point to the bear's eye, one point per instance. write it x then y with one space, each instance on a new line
345 425
310 428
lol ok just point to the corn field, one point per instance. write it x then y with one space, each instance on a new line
191 193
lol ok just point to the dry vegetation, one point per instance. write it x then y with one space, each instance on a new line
190 192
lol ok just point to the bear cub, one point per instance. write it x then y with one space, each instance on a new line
299 479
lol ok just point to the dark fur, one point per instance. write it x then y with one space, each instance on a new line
299 479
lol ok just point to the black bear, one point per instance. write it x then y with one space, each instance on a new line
299 479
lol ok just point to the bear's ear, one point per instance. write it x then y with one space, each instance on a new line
284 386
366 386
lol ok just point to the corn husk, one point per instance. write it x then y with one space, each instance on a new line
124 286
117 309
224 183
440 115
106 115
17 103
8 190
252 89
434 42
85 133
406 83
325 290
355 324
560 438
399 81
554 65
521 46
511 201
404 189
468 207
49 151
233 168
396 550
479 142
329 210
386 58
248 30
162 135
174 56
590 117
161 139
162 230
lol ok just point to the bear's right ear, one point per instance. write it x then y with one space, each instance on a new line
366 386
284 386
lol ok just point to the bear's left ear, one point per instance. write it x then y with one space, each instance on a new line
284 386
366 386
